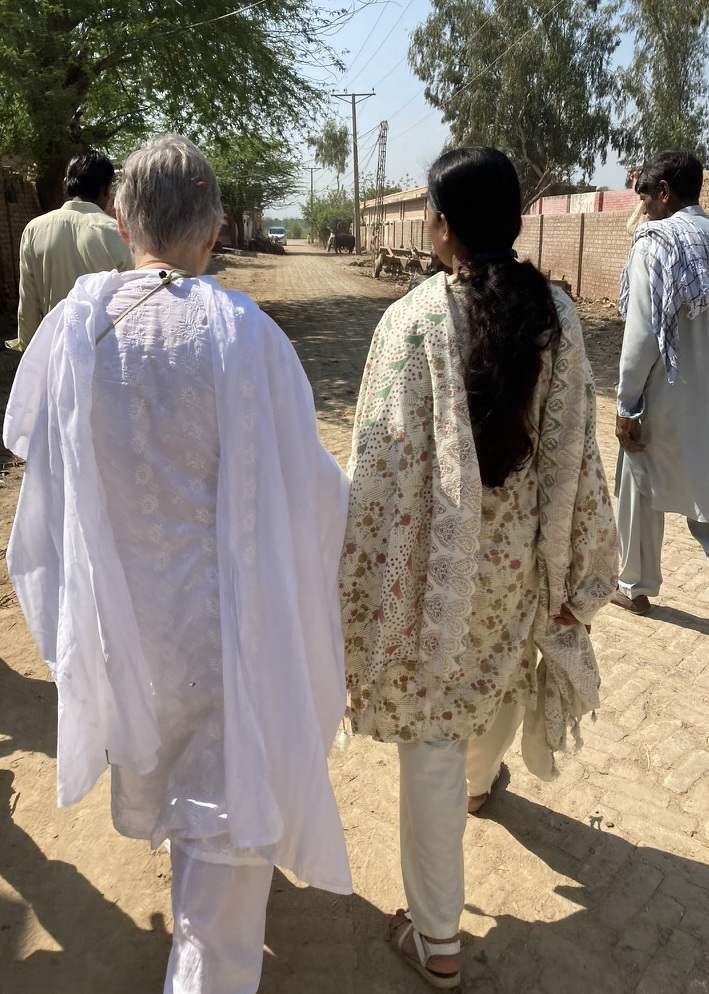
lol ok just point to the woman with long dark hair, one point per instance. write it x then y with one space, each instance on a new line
481 539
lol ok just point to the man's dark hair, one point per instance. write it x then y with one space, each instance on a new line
88 175
682 172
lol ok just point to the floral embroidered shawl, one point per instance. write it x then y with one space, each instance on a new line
410 565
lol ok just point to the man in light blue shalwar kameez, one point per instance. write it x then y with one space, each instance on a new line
663 391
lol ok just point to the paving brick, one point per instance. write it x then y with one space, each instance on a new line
668 752
638 798
696 803
669 969
686 774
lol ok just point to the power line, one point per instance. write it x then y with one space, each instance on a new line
350 176
383 43
362 47
402 61
371 131
393 69
221 17
369 158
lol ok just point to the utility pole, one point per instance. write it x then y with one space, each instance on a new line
313 170
355 98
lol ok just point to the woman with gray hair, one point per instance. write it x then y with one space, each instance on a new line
175 553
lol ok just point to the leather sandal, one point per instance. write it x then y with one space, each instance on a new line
400 928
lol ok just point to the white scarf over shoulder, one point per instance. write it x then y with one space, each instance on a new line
281 509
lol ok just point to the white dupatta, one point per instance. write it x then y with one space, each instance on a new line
281 510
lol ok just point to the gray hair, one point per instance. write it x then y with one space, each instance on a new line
168 194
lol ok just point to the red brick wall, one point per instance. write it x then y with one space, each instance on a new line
560 247
18 205
555 205
619 200
605 250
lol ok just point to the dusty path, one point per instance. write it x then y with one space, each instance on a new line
595 884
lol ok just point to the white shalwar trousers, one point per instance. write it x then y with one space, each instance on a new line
433 815
219 915
641 529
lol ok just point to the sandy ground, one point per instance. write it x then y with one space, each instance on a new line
595 884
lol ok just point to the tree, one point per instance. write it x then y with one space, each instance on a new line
332 211
665 90
332 147
533 79
253 172
86 74
368 186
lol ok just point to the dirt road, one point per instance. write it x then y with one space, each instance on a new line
595 884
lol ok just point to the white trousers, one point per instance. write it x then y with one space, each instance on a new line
219 912
641 529
433 815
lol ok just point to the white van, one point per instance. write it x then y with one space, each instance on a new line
278 235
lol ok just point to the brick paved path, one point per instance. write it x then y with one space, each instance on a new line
595 884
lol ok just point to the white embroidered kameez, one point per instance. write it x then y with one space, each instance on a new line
175 553
160 481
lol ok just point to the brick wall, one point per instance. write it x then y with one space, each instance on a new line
561 242
587 250
588 247
555 205
583 203
619 200
527 245
18 205
605 250
400 234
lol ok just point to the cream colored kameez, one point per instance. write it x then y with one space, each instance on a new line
450 589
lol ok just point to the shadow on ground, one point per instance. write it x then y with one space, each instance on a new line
101 947
332 337
641 924
682 619
28 713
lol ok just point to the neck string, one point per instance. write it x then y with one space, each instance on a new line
165 279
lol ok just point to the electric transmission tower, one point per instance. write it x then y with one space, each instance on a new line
378 226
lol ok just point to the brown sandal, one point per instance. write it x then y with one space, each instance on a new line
400 927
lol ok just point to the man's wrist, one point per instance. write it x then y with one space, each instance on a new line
633 412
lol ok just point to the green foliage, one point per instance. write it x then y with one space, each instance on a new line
533 79
332 147
253 171
665 91
86 74
368 186
331 211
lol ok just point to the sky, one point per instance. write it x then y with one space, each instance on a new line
374 44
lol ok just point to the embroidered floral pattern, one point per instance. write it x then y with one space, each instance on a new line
446 586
